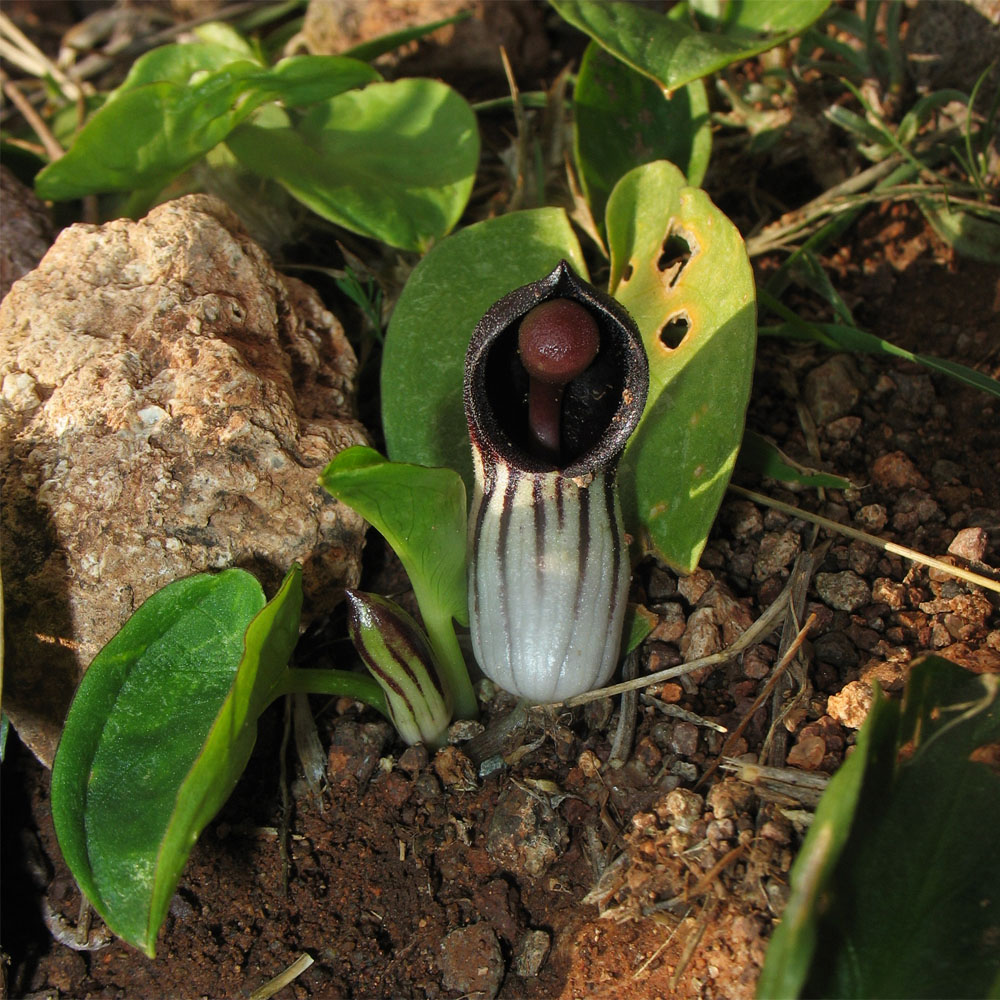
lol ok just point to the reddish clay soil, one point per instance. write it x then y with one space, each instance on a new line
415 877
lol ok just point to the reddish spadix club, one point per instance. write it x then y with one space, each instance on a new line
555 382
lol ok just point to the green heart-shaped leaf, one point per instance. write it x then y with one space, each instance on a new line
176 105
158 734
674 53
394 161
623 119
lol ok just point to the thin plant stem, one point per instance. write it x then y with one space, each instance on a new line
340 683
280 981
32 117
451 662
776 675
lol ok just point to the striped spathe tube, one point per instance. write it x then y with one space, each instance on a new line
555 381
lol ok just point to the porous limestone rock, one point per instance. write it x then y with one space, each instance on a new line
167 402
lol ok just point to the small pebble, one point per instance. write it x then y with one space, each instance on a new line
412 759
843 429
777 550
589 763
757 662
670 626
836 649
850 706
890 593
832 388
873 517
743 518
701 636
844 591
861 557
895 471
808 753
681 807
532 950
671 693
463 730
525 835
684 739
455 769
692 588
970 544
729 798
471 963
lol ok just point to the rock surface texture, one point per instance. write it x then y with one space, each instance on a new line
168 401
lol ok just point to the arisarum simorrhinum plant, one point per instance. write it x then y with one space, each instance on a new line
555 381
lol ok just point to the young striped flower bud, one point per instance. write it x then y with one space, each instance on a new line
555 381
399 657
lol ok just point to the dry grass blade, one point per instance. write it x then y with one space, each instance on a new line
658 918
49 143
625 734
691 945
891 547
23 53
283 979
775 744
676 712
772 681
521 143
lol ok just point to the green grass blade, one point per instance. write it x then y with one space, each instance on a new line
849 338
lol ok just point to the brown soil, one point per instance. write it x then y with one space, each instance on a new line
375 877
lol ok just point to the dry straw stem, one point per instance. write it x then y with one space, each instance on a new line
755 633
49 143
707 915
863 536
283 979
674 928
16 47
776 675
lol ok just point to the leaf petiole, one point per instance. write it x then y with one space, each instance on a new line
340 683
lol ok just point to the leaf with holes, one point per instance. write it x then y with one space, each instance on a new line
680 267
